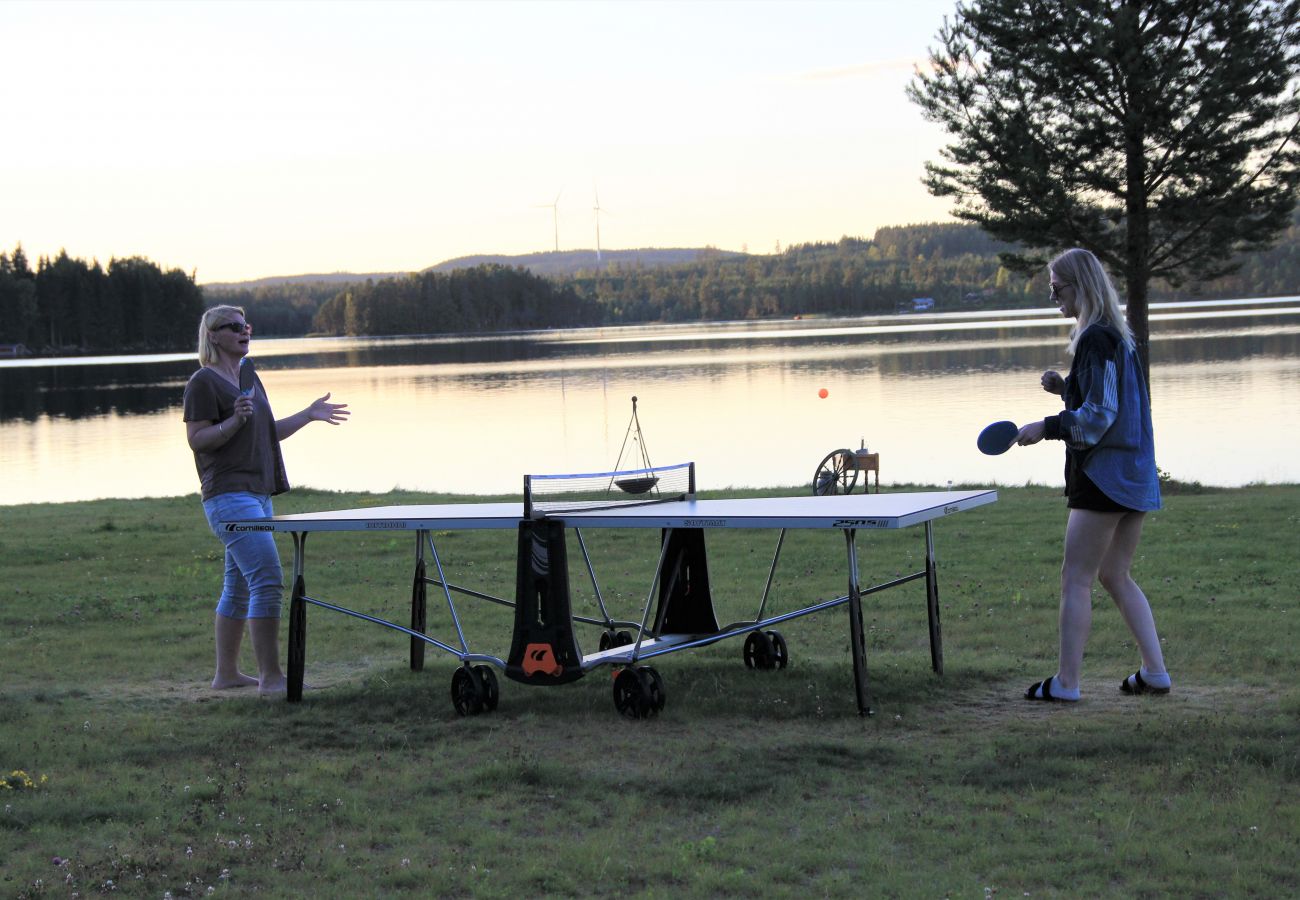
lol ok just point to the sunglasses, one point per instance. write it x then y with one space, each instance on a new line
234 327
1056 288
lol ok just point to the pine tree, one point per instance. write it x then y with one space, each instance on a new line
1159 134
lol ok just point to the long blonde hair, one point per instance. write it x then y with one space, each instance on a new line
210 320
1095 297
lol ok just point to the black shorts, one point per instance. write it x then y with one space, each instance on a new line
1082 493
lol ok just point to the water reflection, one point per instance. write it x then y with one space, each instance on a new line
476 413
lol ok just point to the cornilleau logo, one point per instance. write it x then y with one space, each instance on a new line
236 527
385 524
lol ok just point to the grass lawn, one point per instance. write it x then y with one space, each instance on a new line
132 777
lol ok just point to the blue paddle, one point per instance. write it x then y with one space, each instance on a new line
997 438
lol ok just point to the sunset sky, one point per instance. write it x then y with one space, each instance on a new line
241 140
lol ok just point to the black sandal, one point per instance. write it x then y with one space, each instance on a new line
1139 685
1046 686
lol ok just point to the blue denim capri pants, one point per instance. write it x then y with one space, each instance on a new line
253 586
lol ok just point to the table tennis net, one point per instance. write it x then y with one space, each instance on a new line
548 494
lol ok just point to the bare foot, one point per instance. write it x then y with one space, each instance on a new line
240 680
271 690
273 687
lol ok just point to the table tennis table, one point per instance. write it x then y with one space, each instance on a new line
678 613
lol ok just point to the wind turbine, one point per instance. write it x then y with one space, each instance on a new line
555 216
598 211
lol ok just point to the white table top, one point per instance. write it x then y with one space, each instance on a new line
897 510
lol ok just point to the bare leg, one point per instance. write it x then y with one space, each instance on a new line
1088 537
1133 606
229 637
266 647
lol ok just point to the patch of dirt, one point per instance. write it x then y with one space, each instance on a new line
319 677
995 702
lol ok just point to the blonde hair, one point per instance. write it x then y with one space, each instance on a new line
1095 299
210 320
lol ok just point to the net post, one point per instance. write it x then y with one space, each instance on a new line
691 482
528 496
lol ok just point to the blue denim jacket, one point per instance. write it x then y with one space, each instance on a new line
1107 419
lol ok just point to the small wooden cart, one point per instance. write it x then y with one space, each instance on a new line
838 472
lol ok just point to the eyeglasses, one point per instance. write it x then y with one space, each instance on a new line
234 327
1056 287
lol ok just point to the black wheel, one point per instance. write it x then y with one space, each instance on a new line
837 474
758 651
491 692
622 639
632 696
467 692
607 640
654 683
780 651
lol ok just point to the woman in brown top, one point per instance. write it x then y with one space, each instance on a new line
236 444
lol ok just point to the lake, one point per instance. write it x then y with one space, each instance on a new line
474 414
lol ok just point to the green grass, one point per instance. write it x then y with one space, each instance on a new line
749 783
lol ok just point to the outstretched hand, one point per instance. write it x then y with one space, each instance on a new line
322 410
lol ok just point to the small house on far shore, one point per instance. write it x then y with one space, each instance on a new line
917 304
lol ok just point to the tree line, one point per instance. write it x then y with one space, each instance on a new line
69 305
956 264
953 264
483 298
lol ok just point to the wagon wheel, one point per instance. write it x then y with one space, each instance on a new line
837 474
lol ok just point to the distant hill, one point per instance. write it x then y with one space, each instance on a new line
278 280
570 262
550 264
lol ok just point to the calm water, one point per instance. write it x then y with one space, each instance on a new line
474 414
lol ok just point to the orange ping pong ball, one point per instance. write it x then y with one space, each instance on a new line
823 393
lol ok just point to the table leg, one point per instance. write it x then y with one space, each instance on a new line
857 643
419 605
297 622
932 601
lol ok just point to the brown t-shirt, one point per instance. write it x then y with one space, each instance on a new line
250 460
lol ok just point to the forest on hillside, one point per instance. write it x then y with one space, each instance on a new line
956 265
68 305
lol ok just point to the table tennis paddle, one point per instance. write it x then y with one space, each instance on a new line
997 438
247 372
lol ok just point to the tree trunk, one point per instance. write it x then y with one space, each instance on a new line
1137 250
1136 289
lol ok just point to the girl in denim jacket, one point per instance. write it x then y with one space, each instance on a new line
1111 480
